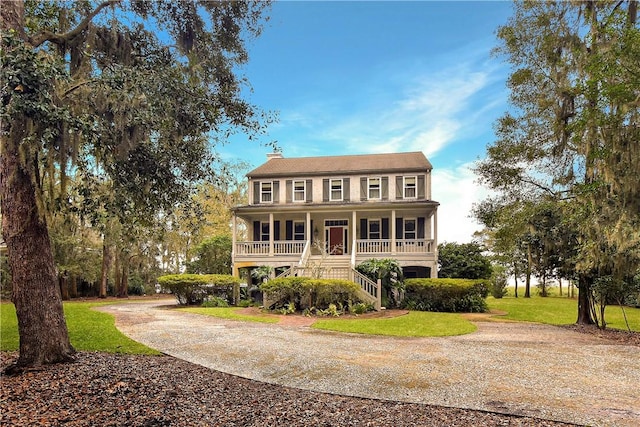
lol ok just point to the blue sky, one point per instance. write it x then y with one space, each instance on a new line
376 77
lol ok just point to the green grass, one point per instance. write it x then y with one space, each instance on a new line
231 313
559 311
89 330
413 324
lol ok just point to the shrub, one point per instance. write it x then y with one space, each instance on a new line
215 302
308 293
499 286
446 295
193 289
135 285
360 308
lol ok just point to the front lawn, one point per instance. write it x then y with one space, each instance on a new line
558 311
231 313
89 330
413 324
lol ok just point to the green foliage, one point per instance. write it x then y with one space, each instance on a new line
193 289
413 324
213 256
463 260
360 308
447 295
89 330
498 286
306 293
568 140
389 272
215 302
262 273
136 285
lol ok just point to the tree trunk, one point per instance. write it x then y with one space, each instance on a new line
41 324
584 302
73 291
106 264
515 277
560 285
64 286
117 275
527 284
123 286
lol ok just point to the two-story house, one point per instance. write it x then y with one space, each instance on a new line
335 212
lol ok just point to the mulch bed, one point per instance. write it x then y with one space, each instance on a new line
131 390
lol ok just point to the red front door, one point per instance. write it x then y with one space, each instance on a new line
336 240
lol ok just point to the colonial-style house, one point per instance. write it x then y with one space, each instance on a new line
322 216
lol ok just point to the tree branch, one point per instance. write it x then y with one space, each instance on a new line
59 38
76 86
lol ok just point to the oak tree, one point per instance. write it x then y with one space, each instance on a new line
131 95
573 130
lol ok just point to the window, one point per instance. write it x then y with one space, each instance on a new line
266 192
409 187
374 229
298 230
336 189
410 229
374 188
264 231
299 191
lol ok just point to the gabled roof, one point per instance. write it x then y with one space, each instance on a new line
346 165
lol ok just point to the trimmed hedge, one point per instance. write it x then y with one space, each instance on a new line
446 295
194 289
308 293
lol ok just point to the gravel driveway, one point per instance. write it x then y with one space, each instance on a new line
526 369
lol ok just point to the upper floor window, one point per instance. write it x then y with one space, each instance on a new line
374 188
299 191
266 192
336 189
409 187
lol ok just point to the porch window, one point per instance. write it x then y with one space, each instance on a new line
264 231
409 187
299 191
374 229
336 189
410 229
374 188
298 230
266 192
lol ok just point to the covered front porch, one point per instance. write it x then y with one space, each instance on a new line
290 237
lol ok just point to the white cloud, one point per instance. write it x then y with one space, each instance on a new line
456 191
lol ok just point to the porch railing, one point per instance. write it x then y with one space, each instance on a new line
281 247
384 246
297 247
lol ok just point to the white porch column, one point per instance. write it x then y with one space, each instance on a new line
393 232
354 234
434 270
309 230
435 230
271 230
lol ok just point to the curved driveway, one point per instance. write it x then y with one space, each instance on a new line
517 368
